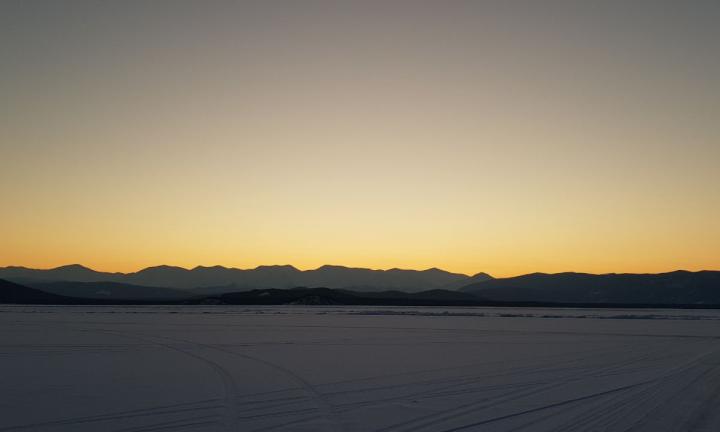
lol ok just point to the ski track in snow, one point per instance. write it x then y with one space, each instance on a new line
354 369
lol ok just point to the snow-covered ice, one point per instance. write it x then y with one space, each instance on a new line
188 368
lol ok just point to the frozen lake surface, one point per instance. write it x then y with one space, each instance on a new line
189 368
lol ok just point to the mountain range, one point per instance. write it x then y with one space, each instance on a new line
220 279
343 285
679 287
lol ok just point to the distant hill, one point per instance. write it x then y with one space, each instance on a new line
17 294
176 284
73 272
110 291
680 287
223 279
12 293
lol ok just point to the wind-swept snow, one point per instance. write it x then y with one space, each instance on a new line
182 368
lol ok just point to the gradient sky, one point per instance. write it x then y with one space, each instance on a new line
499 136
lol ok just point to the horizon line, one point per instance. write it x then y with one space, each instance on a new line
345 267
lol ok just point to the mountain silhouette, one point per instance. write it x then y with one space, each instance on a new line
679 287
224 279
72 272
112 293
177 284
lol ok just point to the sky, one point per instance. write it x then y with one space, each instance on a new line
499 136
